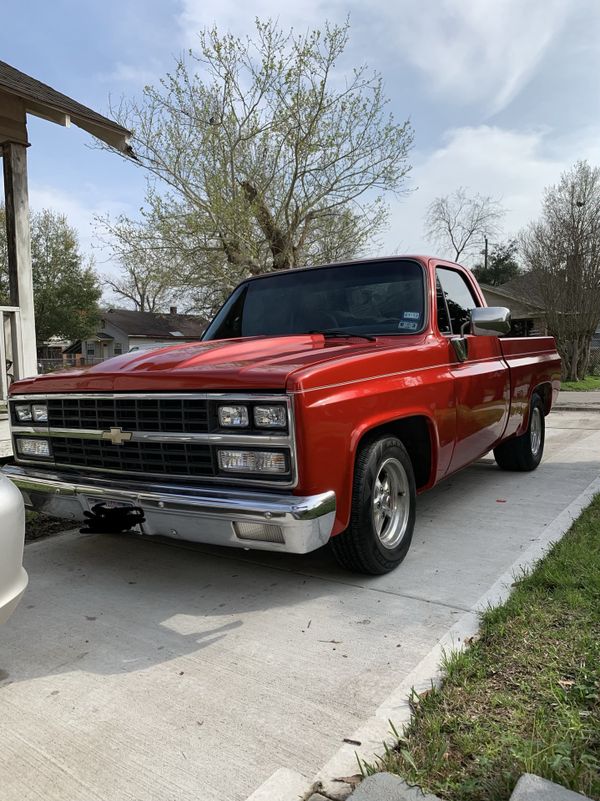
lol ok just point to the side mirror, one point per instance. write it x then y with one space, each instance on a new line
490 321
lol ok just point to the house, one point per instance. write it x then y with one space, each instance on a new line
522 296
125 330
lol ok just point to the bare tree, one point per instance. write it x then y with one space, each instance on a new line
262 156
459 222
149 276
563 250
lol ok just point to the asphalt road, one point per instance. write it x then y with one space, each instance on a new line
136 670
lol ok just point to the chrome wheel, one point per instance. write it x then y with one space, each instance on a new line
535 431
391 503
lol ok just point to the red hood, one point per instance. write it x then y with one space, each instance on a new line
230 364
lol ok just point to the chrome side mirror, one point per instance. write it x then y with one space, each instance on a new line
489 321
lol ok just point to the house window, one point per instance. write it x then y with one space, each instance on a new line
90 349
118 349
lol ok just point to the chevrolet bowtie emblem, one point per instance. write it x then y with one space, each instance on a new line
117 436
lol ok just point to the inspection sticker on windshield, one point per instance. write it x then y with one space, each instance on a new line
411 315
409 326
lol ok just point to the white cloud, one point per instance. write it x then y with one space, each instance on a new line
231 15
512 165
80 214
137 74
469 51
479 50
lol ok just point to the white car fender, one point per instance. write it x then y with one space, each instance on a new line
13 578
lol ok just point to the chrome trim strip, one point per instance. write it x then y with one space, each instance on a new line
281 440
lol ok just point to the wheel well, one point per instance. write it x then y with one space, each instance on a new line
415 436
545 393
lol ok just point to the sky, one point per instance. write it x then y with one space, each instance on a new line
503 95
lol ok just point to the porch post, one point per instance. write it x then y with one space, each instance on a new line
20 278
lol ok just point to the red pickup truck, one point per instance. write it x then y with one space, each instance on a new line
318 405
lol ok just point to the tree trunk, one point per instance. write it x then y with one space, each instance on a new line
573 360
584 356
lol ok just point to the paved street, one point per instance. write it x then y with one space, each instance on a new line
143 671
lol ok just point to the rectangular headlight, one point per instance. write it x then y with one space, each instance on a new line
23 412
233 416
39 412
270 416
252 461
35 448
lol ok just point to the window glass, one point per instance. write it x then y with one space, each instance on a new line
442 309
118 348
459 298
386 297
91 349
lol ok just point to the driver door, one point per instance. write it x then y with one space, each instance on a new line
481 382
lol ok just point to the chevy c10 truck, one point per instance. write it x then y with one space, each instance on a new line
318 405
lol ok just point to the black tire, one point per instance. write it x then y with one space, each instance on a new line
361 548
524 453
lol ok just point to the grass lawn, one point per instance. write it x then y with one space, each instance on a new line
38 526
589 382
526 696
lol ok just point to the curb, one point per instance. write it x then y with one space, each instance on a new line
574 408
371 736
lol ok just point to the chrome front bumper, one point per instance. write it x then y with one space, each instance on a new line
289 523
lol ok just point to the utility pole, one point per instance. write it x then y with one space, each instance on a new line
485 252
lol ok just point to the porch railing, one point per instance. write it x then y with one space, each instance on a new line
11 348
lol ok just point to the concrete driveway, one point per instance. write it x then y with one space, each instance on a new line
145 671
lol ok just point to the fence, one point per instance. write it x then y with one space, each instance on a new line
11 348
65 361
594 363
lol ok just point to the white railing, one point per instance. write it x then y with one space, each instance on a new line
11 348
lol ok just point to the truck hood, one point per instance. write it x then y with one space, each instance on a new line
233 364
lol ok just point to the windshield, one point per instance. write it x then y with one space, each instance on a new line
370 298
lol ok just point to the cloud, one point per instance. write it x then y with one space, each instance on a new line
133 73
477 51
80 214
229 14
511 165
468 51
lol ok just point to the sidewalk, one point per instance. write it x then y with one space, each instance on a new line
578 401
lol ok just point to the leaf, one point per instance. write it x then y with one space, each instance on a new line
353 781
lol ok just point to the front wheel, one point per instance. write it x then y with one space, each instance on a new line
383 509
525 452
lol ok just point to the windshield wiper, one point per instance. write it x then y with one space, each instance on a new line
333 332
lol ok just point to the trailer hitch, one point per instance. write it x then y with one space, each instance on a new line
111 520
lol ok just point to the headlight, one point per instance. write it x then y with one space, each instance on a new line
233 416
23 412
252 461
31 412
34 447
39 412
270 416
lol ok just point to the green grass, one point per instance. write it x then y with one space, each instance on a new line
525 697
589 383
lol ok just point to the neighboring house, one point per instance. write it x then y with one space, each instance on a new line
124 330
522 296
52 348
